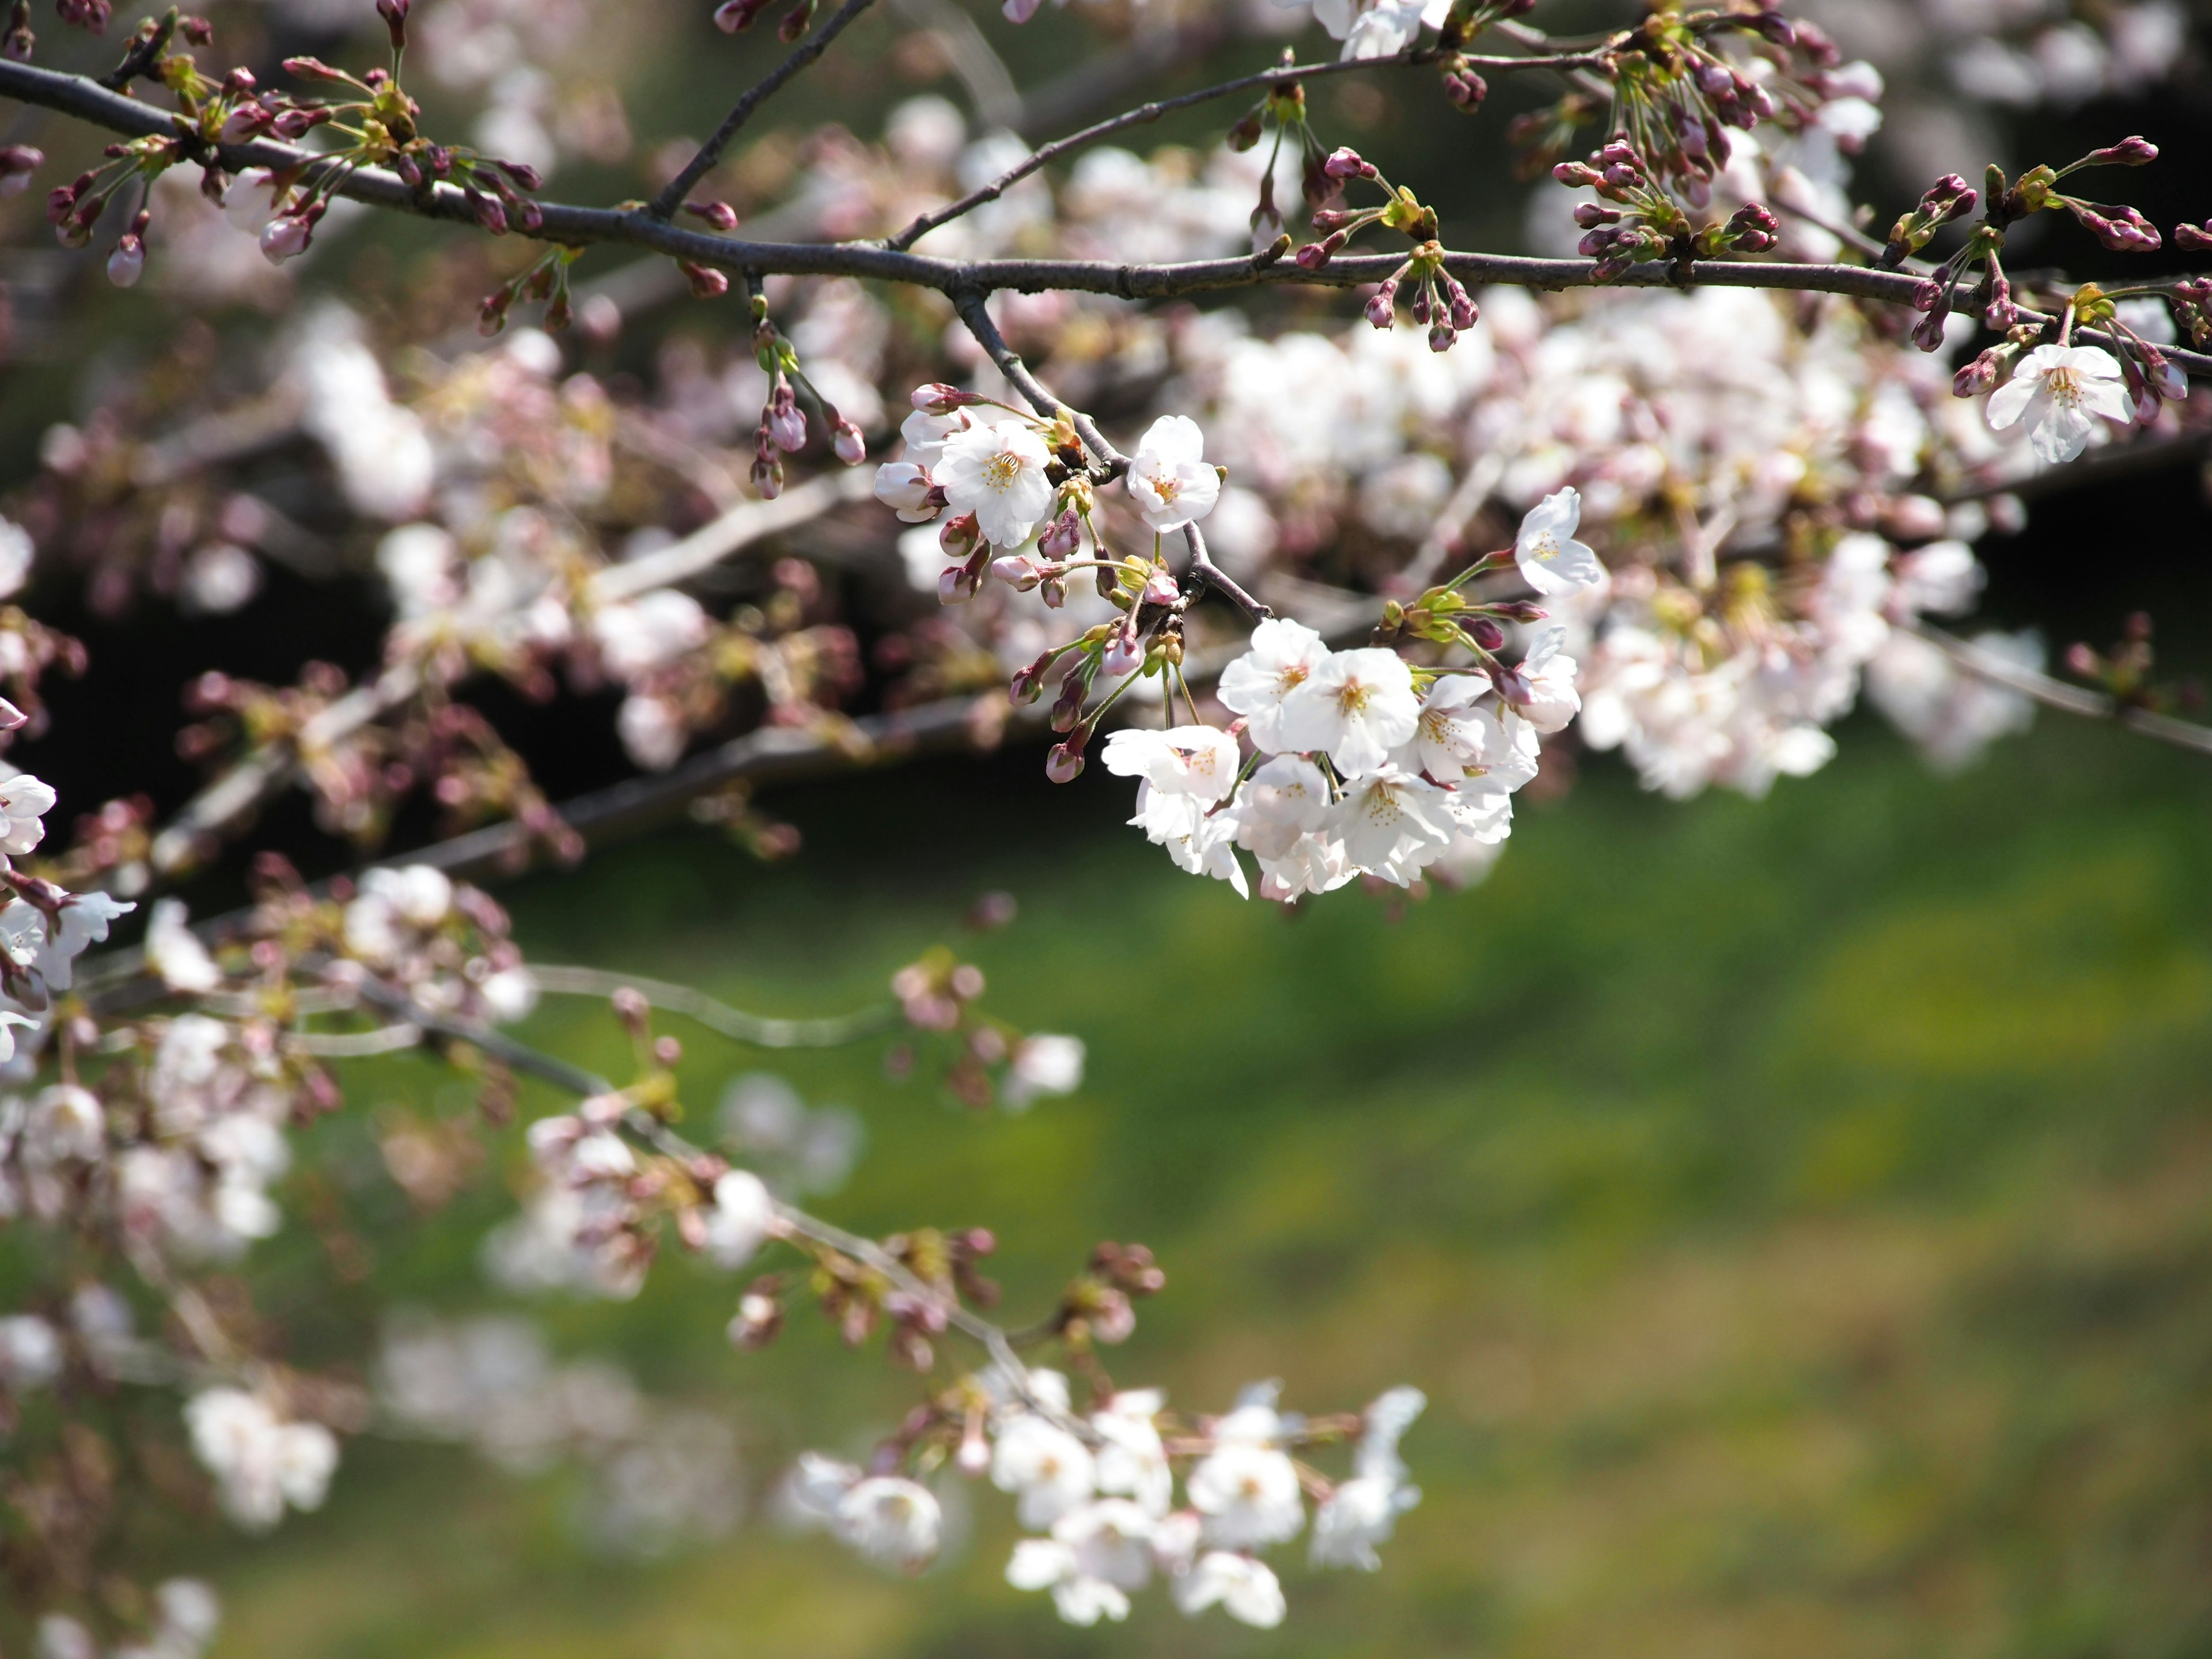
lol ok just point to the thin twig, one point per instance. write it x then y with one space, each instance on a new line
1144 113
975 310
759 1029
1205 573
2057 693
805 52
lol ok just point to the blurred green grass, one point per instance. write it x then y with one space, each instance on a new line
1796 1212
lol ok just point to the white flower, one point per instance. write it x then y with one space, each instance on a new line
1284 799
1358 706
1132 1461
905 486
83 922
23 801
421 894
926 433
1248 1493
891 1520
1453 736
189 1614
1282 657
1050 1470
1247 1589
1168 481
1048 1563
1200 842
61 1637
175 953
1384 811
636 637
741 1219
1044 1063
1545 696
1198 761
30 1351
2058 388
1357 1515
1552 560
997 472
260 1463
66 1125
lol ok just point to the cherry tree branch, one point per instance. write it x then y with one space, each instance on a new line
634 227
1144 113
1205 573
2071 699
758 1030
671 196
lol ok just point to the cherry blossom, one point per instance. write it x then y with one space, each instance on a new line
1245 1589
997 472
1198 761
1358 706
1282 656
23 802
2056 389
1551 560
261 1462
1169 481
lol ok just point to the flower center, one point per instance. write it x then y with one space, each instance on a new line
1164 487
1002 469
1545 548
1352 699
2065 389
1289 679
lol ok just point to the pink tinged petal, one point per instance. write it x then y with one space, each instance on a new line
2011 401
1173 438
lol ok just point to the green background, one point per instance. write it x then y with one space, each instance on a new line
1795 1212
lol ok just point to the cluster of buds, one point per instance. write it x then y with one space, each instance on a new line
1282 112
1646 224
2150 375
1445 616
1146 641
2123 671
2122 229
2191 301
1097 1308
1437 298
783 429
1400 211
1949 197
546 279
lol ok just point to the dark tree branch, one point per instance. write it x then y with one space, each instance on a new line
1205 573
1152 112
805 52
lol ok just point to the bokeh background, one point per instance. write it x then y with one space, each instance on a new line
1799 1213
1795 1212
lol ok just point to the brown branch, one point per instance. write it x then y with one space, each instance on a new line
1144 113
671 196
582 226
2070 699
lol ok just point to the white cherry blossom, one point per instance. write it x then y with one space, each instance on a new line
1245 1589
1358 706
1384 811
1131 1458
261 1462
1282 656
740 1218
1200 842
1542 688
997 472
1551 560
1048 1470
1248 1492
2056 389
892 1521
23 802
1170 483
1453 735
1198 761
1043 1063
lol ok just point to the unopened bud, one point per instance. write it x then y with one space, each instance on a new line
1065 763
1125 653
1062 536
1441 337
939 398
17 163
960 537
394 13
128 262
1345 163
717 215
2133 152
1487 633
1977 376
706 283
848 441
1381 307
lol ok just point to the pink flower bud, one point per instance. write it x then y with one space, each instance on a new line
734 14
939 398
1977 376
951 584
2193 239
493 218
285 239
960 537
128 262
786 424
706 283
848 441
1441 338
1464 313
1125 653
1345 163
1487 633
1575 174
2127 153
1589 216
1028 681
1018 571
1381 307
767 476
394 14
1465 89
717 215
1065 763
1160 588
17 163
